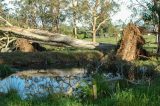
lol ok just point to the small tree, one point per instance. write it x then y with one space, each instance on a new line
76 12
98 14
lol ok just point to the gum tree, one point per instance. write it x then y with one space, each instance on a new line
99 12
149 10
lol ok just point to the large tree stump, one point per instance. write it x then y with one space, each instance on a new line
131 43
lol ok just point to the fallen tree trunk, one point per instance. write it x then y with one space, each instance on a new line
50 38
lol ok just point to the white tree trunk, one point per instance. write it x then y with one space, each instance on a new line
45 36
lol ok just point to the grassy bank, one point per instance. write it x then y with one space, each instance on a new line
138 95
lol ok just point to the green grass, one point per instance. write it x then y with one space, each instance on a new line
108 40
137 95
150 43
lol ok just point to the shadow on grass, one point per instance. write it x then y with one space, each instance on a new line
106 48
50 60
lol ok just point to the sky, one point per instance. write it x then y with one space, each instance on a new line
124 13
9 3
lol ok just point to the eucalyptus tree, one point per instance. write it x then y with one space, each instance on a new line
155 9
149 10
74 13
26 13
44 14
4 13
57 13
4 10
74 10
1 7
98 14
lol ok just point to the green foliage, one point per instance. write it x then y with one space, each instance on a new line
81 36
5 71
138 96
84 92
102 85
12 99
148 9
128 97
158 68
112 30
67 30
147 17
135 95
150 45
108 40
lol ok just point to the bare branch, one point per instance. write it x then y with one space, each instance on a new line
100 24
8 23
4 38
139 5
7 43
97 3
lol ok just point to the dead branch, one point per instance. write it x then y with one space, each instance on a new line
7 23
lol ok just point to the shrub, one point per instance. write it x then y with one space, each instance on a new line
84 92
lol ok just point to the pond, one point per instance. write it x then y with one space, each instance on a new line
43 82
40 83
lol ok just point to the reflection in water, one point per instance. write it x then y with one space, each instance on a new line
43 82
40 83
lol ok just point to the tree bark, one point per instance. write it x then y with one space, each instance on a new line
55 11
74 16
9 24
52 38
94 31
157 12
74 27
158 48
94 37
